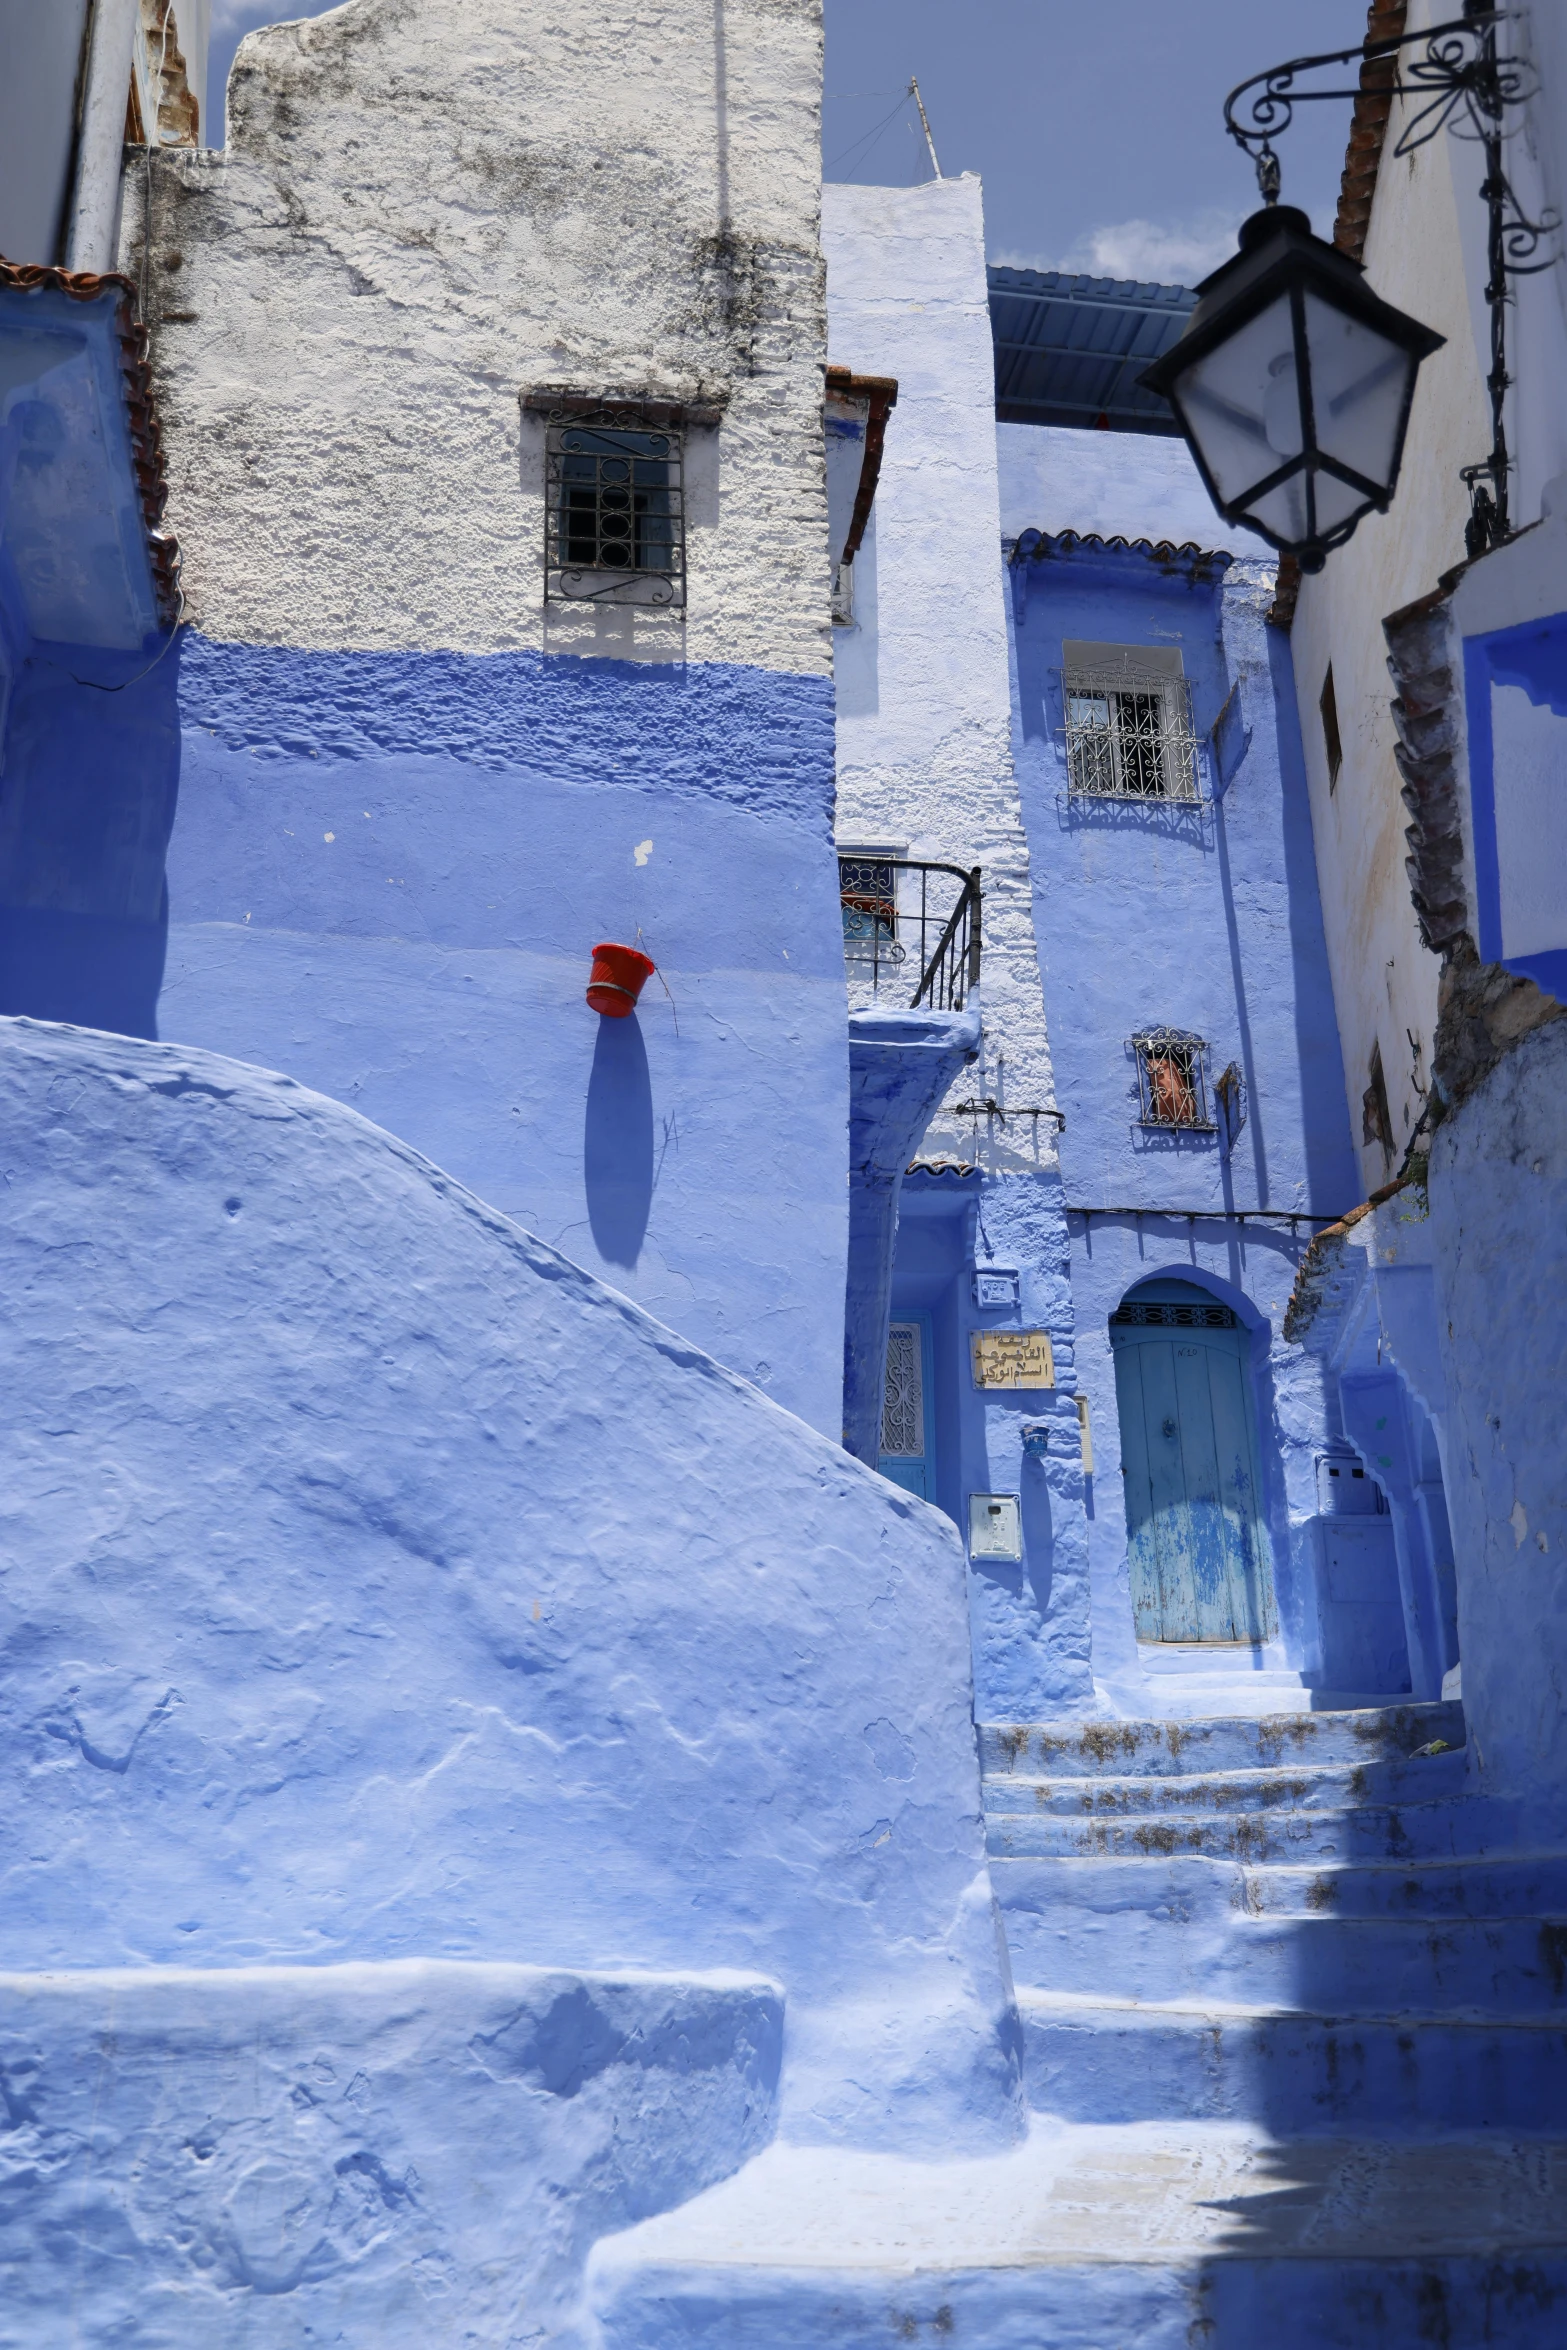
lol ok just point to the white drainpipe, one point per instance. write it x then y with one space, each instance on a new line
93 239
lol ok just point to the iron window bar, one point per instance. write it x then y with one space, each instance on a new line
888 911
1160 1314
1129 734
614 508
1171 1081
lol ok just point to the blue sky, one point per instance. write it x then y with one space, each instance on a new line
1097 128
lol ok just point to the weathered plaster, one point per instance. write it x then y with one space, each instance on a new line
1498 1191
387 875
425 210
1384 980
923 748
379 1585
1203 918
367 2153
900 1065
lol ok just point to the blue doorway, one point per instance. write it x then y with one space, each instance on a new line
1196 1542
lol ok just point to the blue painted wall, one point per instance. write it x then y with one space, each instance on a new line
89 774
381 1585
387 876
1207 920
1029 1621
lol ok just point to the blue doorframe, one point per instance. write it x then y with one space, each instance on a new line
909 1407
1197 1541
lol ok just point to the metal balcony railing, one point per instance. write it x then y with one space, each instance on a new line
903 919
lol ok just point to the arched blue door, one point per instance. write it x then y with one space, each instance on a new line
1196 1541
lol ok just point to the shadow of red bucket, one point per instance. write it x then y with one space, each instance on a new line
618 978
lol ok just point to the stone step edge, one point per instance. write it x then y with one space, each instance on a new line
1065 1728
1264 1774
1037 1816
1525 1857
1070 2006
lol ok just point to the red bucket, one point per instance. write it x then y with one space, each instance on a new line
618 978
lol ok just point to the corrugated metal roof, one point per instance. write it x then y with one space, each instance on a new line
1069 350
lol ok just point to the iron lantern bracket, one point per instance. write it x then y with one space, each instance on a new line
1467 84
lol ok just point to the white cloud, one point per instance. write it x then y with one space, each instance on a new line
1171 253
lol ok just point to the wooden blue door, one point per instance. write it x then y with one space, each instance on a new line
1196 1541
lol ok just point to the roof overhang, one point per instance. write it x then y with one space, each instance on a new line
1068 350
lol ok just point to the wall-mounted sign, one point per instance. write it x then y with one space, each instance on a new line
995 1526
1012 1358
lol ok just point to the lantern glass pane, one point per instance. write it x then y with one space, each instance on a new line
1336 502
1241 402
1283 511
1358 384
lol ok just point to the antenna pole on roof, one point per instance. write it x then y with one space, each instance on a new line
914 93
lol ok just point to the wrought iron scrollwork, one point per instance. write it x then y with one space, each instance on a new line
1470 86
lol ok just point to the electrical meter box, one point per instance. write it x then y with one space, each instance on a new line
995 1526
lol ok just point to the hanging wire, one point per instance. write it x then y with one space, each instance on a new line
870 136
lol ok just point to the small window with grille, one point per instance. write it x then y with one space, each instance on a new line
1171 1083
614 511
1128 723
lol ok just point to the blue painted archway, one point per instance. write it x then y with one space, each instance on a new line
1196 1541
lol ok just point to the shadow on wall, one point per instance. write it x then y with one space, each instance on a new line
1332 1173
617 1142
87 793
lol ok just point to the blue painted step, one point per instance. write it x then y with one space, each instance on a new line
1294 2073
1099 2239
1228 1743
1299 1834
1511 1885
1323 1789
1403 1966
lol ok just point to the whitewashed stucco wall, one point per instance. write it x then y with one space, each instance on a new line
341 332
1384 980
1130 485
924 720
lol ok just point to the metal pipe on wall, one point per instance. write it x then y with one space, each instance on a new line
93 238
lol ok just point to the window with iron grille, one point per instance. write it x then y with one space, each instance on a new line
614 511
1128 723
1155 1314
1172 1086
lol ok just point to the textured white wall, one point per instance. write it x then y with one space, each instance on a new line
424 210
1384 980
924 714
1130 485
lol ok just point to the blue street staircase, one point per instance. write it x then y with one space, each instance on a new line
1295 2016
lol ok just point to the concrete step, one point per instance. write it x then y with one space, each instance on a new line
1187 1887
1511 1885
1197 1701
1425 1966
1292 2072
1072 1749
1091 2239
1333 1787
1215 1660
1303 1834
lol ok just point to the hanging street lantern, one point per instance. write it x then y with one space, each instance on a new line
1292 384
